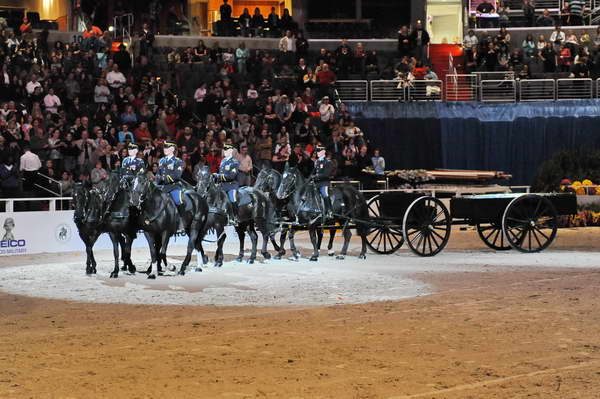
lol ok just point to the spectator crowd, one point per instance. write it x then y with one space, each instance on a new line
69 110
575 56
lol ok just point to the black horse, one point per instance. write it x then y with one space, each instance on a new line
157 216
254 211
268 181
104 209
306 206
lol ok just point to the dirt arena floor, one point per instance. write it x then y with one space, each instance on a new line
498 333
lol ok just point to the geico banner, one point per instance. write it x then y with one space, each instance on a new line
39 232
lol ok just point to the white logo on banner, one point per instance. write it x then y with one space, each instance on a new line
62 232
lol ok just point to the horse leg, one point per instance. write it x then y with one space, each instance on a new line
153 254
192 237
347 236
254 239
281 247
264 251
115 238
241 238
312 230
319 238
362 232
128 244
330 250
89 267
295 252
220 241
164 244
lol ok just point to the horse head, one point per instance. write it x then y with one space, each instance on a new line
205 181
268 180
289 181
139 191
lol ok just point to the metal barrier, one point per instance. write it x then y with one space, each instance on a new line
498 91
425 90
573 89
503 75
54 203
388 90
352 90
537 90
356 183
460 88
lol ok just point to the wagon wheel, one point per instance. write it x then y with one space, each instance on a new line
491 234
530 223
383 238
427 226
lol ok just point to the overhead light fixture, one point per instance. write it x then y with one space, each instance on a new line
111 28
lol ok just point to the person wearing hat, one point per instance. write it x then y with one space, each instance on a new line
321 177
169 173
132 165
227 177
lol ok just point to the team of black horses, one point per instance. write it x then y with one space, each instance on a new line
123 206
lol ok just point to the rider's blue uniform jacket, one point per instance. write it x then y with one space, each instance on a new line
133 166
169 173
322 175
228 173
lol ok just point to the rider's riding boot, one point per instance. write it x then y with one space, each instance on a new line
232 214
328 208
181 211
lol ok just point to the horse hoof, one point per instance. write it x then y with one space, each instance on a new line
250 261
266 255
239 258
218 265
132 270
297 255
181 273
198 269
151 277
331 253
340 257
172 268
277 257
314 258
362 256
124 268
114 275
161 273
148 271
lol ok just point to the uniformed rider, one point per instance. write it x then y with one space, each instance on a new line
169 173
321 176
132 165
228 180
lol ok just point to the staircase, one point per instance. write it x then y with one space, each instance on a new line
438 56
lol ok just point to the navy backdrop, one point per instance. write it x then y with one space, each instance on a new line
515 138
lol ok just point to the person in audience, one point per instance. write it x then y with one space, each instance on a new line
419 40
549 56
576 10
257 23
378 162
529 11
545 19
529 46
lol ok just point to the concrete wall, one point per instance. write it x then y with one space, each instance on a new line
251 43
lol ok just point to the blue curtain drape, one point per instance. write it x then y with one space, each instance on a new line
516 139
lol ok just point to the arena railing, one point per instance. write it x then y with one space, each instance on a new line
388 90
498 91
353 90
43 204
574 89
460 87
537 90
425 90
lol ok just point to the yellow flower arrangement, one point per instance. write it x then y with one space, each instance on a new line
576 184
587 182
